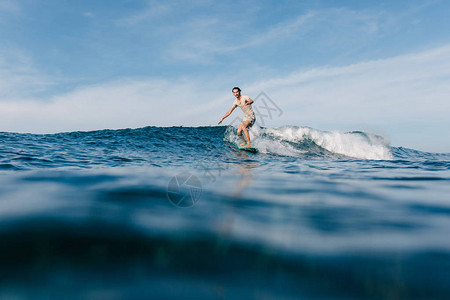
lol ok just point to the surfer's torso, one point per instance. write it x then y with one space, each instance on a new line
247 109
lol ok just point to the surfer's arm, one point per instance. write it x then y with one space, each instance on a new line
248 102
227 114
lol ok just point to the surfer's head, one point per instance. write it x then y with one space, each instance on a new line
236 91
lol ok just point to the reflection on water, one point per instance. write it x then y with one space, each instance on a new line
245 166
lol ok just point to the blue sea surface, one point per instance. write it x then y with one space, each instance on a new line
179 212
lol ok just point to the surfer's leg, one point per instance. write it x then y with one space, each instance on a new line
239 133
247 135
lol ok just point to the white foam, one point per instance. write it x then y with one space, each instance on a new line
353 144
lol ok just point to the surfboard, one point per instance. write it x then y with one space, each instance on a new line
249 149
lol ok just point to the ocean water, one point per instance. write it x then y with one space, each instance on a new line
180 213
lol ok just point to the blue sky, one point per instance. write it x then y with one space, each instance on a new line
379 66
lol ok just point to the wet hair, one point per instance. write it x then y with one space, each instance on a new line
236 88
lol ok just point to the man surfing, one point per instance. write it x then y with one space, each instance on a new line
245 103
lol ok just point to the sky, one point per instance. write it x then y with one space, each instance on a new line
376 66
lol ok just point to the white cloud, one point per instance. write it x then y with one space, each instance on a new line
19 76
279 31
204 38
413 85
121 104
9 7
212 30
153 9
201 40
88 14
